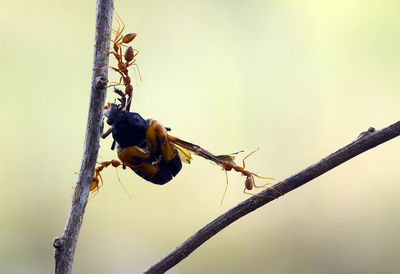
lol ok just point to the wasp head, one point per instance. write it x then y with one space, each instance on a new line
128 128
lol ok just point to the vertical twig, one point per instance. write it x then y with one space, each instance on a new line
66 244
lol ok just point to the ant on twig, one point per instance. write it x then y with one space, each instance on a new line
97 180
227 163
249 183
124 60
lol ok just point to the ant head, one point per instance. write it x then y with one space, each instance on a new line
95 184
115 163
227 165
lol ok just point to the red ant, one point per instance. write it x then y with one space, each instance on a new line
97 181
129 56
249 183
225 161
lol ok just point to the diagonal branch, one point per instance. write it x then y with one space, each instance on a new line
364 142
66 244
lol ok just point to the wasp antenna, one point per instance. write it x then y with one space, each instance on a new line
123 186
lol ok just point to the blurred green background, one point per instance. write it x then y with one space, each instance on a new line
299 79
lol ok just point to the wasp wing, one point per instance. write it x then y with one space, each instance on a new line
185 147
184 154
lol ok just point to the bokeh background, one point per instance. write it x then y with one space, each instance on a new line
299 79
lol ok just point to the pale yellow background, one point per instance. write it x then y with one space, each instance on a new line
299 79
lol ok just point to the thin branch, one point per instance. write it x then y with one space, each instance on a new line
364 142
66 244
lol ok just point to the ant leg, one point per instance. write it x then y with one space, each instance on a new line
249 193
135 74
131 63
140 76
114 84
226 187
114 68
109 25
104 49
248 156
101 180
258 195
267 178
262 186
123 186
92 195
120 21
136 81
105 36
135 53
117 32
265 186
